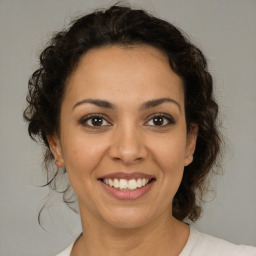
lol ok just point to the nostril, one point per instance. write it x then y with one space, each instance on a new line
127 149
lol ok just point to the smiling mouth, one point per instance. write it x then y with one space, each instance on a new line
127 185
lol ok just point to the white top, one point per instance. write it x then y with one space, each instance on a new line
200 244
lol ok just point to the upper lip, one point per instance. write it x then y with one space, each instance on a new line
127 176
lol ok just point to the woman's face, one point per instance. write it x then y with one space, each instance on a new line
123 123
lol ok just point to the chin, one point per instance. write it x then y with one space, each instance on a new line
128 218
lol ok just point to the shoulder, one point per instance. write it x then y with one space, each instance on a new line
200 244
67 251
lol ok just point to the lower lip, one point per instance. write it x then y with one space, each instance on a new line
128 194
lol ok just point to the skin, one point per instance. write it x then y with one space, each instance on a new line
128 140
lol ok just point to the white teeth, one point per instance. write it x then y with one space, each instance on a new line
116 183
123 184
110 182
139 183
132 184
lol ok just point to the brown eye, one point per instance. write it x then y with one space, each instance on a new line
160 120
97 121
94 121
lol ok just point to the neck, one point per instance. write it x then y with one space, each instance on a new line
163 236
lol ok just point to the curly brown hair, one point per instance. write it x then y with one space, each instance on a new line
125 26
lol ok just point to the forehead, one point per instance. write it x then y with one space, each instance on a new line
119 72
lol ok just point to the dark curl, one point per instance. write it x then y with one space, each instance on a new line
127 27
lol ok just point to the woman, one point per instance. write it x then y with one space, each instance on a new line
123 103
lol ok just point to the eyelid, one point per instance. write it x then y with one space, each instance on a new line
170 119
84 119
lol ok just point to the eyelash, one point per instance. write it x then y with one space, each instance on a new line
84 120
87 118
170 119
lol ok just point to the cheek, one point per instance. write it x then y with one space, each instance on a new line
171 151
171 162
81 156
170 156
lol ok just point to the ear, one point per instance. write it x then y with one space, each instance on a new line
55 147
191 143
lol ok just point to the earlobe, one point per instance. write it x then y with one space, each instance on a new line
191 143
55 147
59 163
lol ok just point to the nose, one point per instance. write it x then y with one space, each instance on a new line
128 145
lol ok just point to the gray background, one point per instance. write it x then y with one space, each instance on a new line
224 29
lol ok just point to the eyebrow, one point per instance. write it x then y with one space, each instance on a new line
157 102
99 103
144 106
